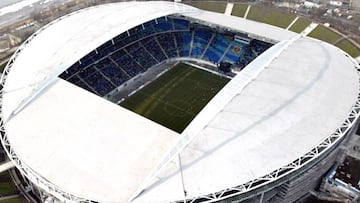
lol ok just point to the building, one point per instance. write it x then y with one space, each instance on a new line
342 182
8 41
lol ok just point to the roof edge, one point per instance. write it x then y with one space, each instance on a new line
217 103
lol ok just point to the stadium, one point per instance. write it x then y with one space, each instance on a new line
164 102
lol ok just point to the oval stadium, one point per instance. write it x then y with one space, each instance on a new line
163 102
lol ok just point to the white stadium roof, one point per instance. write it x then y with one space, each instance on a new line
73 143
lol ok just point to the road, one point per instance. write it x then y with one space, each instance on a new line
10 18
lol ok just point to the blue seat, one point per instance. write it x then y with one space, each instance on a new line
200 42
134 52
99 84
163 24
181 24
153 47
168 44
183 40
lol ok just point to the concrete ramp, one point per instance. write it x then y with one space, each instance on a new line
6 166
229 8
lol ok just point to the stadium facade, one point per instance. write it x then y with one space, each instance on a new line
291 102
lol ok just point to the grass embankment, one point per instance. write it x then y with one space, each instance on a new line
2 67
14 200
210 6
7 187
348 47
270 16
239 10
300 25
325 34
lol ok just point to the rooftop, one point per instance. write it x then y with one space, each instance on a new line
282 105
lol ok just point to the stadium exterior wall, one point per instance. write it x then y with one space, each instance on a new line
242 192
318 168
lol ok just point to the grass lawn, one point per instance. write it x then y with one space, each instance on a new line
7 187
211 6
2 67
239 10
348 47
14 200
176 97
300 25
324 34
270 16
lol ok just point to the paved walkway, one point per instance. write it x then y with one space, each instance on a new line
247 11
339 40
292 23
9 197
309 28
6 166
229 8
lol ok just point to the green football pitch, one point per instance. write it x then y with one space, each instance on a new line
176 97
